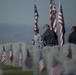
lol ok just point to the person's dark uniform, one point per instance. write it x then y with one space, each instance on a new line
72 35
50 37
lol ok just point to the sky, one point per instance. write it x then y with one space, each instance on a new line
21 12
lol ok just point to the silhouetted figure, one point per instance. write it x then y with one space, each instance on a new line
49 37
72 35
37 38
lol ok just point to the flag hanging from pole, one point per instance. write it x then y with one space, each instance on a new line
11 54
69 54
20 56
53 25
3 55
61 22
41 63
28 60
36 15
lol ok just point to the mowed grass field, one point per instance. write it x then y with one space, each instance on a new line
10 70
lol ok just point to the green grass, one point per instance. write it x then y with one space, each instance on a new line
11 70
17 72
9 67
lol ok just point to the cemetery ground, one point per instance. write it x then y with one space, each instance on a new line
11 70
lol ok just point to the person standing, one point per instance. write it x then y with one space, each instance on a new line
49 37
72 35
37 38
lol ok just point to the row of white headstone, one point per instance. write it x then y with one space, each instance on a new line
48 53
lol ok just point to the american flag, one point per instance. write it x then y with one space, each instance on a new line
41 63
61 22
56 69
36 15
20 56
11 54
53 25
3 55
69 54
28 60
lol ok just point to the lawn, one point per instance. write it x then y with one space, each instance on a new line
10 70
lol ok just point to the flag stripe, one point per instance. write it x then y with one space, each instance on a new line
57 70
3 56
42 65
51 17
53 25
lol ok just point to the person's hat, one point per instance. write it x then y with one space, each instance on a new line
46 25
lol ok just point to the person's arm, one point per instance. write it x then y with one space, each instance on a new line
40 37
69 39
33 42
44 39
40 40
56 37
